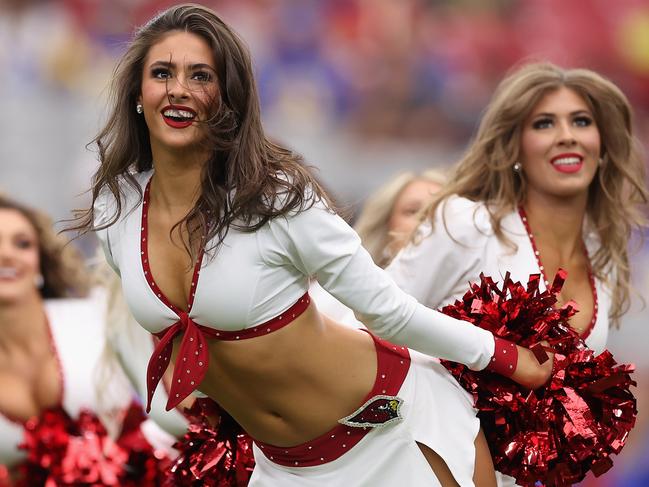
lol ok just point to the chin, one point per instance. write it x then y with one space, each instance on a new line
183 144
571 188
14 294
570 193
8 299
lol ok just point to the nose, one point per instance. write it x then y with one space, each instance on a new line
6 251
177 89
566 135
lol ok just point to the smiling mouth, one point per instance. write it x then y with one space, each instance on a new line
178 117
8 273
567 163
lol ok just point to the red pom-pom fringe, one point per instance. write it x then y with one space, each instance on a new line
215 451
62 451
554 435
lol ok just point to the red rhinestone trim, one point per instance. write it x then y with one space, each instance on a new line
591 277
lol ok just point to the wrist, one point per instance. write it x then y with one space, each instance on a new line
505 358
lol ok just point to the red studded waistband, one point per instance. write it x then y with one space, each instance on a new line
379 408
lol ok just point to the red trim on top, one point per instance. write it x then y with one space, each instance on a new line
193 356
57 358
144 254
59 366
393 362
591 277
265 328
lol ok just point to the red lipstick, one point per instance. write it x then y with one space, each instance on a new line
567 163
178 116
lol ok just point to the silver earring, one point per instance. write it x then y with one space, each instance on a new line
600 161
39 282
517 167
139 108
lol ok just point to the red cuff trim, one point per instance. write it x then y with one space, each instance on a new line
505 357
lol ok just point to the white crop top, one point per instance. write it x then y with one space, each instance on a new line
254 277
437 269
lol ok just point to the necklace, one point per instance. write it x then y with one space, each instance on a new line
591 278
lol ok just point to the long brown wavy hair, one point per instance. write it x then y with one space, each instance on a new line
61 265
485 173
247 179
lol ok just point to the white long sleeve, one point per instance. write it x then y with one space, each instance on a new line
103 209
319 243
437 268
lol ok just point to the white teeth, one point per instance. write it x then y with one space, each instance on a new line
8 272
565 161
172 112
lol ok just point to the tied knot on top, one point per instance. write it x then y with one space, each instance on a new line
184 320
191 361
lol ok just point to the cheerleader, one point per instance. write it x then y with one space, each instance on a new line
553 179
215 232
50 351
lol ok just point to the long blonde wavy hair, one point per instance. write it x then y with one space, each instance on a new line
619 190
372 223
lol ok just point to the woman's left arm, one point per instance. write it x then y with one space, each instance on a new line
319 243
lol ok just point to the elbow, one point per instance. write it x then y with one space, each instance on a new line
377 327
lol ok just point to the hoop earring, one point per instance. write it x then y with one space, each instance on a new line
139 109
517 167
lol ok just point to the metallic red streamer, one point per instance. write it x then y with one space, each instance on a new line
215 451
554 435
62 451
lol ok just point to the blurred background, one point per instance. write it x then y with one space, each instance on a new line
362 88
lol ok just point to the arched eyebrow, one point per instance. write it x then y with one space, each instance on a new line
572 114
172 65
24 234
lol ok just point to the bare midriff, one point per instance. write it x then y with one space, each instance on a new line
294 384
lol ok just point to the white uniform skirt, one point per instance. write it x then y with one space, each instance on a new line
436 412
505 480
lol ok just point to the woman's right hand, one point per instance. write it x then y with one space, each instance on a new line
529 372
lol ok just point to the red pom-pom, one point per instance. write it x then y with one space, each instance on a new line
5 478
63 451
215 451
554 435
145 467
